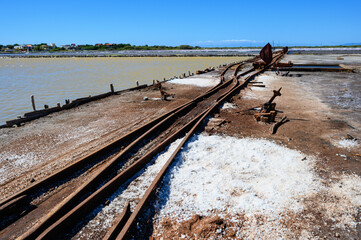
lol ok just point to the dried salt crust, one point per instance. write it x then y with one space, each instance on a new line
227 176
200 81
130 193
228 105
347 143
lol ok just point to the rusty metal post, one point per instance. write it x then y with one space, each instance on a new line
111 88
137 84
33 102
275 94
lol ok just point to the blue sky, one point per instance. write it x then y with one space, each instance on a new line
204 23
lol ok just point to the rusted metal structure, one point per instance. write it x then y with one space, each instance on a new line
78 204
266 54
268 110
126 231
128 141
265 57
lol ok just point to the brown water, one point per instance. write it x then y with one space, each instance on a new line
51 80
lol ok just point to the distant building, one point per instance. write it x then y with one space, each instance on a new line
19 47
110 45
67 47
52 45
44 47
29 47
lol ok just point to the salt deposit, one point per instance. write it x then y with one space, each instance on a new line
232 177
131 193
200 81
246 174
343 211
266 79
228 105
347 143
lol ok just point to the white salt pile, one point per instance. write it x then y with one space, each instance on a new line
200 81
347 143
228 105
131 193
266 79
256 182
232 175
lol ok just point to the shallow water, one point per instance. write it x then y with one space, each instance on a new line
51 80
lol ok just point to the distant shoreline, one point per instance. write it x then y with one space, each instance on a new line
175 53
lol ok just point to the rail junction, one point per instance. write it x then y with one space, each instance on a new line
118 162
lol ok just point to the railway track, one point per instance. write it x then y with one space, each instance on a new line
120 161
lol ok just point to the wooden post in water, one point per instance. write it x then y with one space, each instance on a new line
137 84
111 88
33 102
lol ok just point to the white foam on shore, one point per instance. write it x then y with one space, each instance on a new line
207 81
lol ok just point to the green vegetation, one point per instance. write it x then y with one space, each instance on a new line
123 46
98 47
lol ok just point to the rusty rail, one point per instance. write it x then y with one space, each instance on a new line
124 233
48 230
64 207
15 203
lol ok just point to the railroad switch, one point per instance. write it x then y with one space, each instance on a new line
164 95
268 110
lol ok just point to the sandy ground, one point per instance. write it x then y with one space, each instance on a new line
235 180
